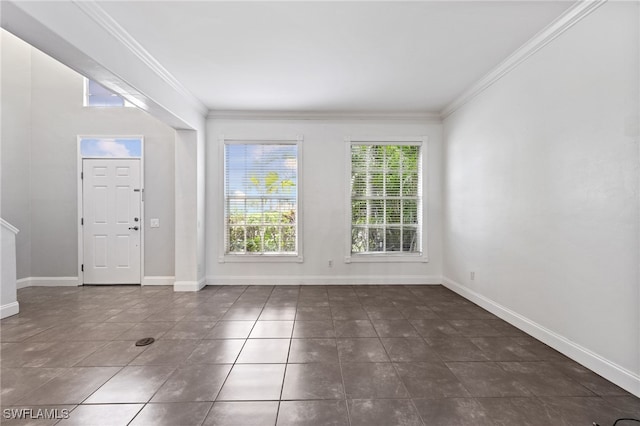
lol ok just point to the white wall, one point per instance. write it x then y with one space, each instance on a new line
541 194
15 131
56 118
324 205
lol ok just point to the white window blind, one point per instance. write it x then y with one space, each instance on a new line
261 198
386 198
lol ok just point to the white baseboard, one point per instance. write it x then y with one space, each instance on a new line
611 371
9 309
189 285
23 282
158 280
47 282
324 280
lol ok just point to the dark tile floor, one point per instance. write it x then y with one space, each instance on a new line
288 355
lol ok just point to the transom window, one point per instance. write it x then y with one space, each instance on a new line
95 95
386 198
261 198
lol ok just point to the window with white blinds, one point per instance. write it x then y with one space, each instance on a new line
386 198
261 198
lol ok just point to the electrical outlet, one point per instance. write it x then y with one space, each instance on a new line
154 223
473 276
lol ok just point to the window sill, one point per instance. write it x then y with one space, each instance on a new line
261 258
385 258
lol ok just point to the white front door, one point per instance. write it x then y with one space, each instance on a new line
112 224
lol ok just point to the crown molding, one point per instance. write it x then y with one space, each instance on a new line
570 17
323 115
110 25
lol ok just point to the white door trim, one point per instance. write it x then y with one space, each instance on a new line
79 159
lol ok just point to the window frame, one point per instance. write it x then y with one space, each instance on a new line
225 257
383 257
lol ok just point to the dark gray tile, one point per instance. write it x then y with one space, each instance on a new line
231 330
313 381
487 379
116 353
349 313
394 328
165 352
571 411
218 351
70 387
172 414
132 385
279 314
418 312
188 330
452 412
313 313
261 413
474 328
542 379
430 380
17 382
628 405
272 330
383 313
383 412
193 383
306 329
354 328
102 414
540 350
260 351
589 379
361 350
372 380
313 350
242 313
146 329
502 349
20 332
56 354
434 328
253 382
322 301
312 413
505 328
456 349
516 411
409 350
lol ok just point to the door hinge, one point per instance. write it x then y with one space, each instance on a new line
81 221
81 175
82 267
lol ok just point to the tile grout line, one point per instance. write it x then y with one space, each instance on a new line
234 362
286 365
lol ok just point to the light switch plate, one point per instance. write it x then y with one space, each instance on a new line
155 223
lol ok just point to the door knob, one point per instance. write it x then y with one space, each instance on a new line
135 228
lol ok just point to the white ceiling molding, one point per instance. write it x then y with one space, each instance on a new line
106 21
322 115
565 21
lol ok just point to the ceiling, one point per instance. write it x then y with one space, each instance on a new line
331 56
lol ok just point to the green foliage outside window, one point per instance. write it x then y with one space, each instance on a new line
261 199
385 198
